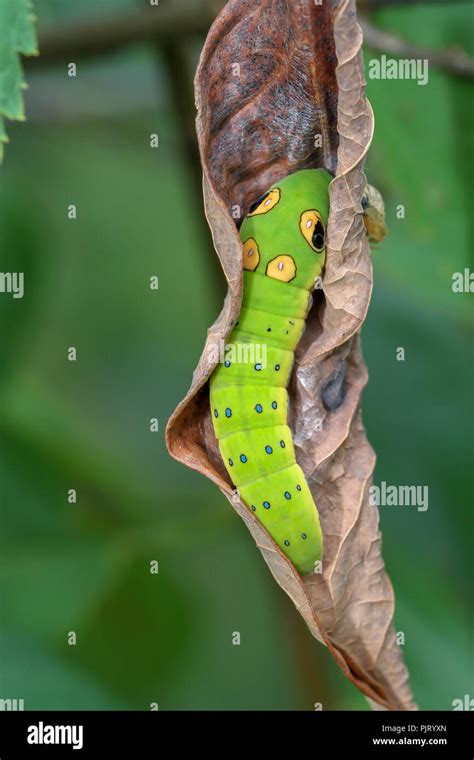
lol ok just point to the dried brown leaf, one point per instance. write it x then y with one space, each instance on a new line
301 74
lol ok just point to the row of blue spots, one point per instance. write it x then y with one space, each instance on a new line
287 543
258 409
257 366
267 505
269 449
228 412
242 457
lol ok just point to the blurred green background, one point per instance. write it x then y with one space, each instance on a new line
84 567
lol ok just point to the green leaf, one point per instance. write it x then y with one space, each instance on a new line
18 37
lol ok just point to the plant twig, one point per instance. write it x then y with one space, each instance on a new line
72 41
454 60
86 39
173 56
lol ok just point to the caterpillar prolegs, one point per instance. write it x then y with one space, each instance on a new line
283 240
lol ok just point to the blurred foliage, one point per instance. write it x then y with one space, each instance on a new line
15 16
419 413
84 567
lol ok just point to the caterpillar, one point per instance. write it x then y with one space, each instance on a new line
283 243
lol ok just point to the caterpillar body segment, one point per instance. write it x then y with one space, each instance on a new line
283 253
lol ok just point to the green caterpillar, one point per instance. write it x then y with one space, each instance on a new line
283 254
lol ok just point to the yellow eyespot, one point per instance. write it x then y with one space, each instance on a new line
312 229
265 203
281 268
251 254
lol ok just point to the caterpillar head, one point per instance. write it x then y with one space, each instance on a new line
284 233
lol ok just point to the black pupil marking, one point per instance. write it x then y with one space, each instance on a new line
318 236
257 203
